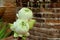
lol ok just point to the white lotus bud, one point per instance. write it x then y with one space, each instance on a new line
25 13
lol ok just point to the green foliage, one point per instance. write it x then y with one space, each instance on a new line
4 27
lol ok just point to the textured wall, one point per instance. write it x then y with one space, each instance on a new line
9 11
47 26
9 14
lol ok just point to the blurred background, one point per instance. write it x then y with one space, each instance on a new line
46 13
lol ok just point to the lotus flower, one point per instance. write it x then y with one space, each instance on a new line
20 27
24 22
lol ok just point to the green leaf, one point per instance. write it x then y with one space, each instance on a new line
2 31
6 35
31 23
24 38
